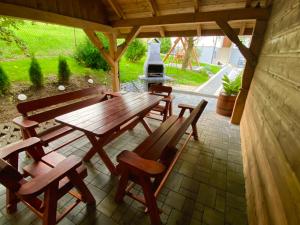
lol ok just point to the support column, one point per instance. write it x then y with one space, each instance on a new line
113 49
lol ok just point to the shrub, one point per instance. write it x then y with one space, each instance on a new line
88 55
35 73
136 50
63 71
165 45
4 82
232 87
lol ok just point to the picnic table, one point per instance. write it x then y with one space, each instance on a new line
104 121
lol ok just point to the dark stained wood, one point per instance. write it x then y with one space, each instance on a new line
165 109
41 110
154 159
50 183
104 121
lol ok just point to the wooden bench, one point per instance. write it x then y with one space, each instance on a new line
46 109
47 186
150 164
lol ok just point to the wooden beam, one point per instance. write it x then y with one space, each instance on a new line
132 35
196 5
97 42
198 30
49 17
154 7
229 32
225 15
255 47
113 48
186 33
117 9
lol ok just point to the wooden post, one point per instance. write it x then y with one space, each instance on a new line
255 47
113 49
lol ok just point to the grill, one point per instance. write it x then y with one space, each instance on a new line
154 66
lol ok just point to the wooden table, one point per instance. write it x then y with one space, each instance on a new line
104 121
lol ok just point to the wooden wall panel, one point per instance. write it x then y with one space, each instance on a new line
270 127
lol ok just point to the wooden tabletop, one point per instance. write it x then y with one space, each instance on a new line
104 117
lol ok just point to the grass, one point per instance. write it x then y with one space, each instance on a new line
130 71
48 41
43 40
18 70
209 67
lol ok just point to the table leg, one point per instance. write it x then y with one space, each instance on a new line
145 124
98 147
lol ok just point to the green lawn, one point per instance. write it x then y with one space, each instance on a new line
43 40
18 70
48 41
130 71
209 67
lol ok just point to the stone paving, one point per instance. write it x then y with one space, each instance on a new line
206 186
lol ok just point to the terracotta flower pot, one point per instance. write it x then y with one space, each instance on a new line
225 104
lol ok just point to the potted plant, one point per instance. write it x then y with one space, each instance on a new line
227 97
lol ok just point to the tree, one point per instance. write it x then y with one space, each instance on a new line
7 34
188 53
35 73
165 45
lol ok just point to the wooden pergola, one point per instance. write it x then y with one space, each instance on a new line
152 18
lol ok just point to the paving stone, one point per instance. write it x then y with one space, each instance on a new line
175 200
213 217
207 195
206 186
235 217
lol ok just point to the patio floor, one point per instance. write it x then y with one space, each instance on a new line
206 186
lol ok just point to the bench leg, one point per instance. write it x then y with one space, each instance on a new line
195 132
49 216
150 200
122 186
87 196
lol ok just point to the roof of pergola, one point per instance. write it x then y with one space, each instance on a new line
155 17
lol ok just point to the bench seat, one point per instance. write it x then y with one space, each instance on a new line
150 163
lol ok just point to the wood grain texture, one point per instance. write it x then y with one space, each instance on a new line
271 152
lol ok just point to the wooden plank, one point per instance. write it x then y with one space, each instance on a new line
132 35
225 15
50 17
117 9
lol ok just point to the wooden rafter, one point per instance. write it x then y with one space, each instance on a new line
154 7
162 31
199 30
226 28
50 17
248 3
196 5
186 33
97 42
117 9
242 29
132 35
225 15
